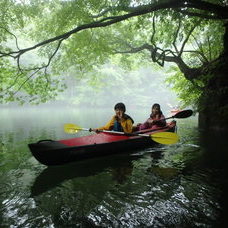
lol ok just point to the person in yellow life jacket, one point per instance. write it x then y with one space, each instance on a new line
119 122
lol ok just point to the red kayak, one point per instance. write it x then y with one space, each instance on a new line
50 152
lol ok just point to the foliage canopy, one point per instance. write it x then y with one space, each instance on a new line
42 39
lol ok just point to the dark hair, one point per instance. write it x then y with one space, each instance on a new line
120 106
159 109
156 105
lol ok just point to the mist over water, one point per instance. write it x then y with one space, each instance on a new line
138 90
84 101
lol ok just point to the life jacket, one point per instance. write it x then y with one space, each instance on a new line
160 121
117 125
128 117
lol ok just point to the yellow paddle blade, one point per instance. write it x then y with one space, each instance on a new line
165 137
71 128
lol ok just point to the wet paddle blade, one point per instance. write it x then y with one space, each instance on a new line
71 128
183 114
165 137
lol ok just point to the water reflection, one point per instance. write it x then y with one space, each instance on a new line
159 187
120 167
182 185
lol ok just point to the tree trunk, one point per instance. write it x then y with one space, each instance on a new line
213 112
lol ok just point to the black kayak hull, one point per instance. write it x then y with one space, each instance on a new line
50 152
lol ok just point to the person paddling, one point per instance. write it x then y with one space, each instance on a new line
120 121
156 118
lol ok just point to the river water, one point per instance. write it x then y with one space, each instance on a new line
181 185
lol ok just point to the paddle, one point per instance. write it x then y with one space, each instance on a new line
160 137
181 114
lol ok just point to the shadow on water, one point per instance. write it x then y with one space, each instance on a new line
215 146
52 176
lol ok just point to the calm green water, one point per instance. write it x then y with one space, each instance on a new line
181 185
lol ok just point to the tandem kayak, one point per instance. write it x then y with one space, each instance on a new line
51 152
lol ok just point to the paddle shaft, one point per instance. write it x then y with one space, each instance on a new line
115 132
123 133
171 117
160 137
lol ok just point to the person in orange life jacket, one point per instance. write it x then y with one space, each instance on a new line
119 122
156 118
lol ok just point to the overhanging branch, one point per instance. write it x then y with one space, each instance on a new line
219 11
204 10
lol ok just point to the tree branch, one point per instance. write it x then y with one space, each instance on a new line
215 11
154 29
200 15
166 56
135 11
218 10
12 35
187 37
176 34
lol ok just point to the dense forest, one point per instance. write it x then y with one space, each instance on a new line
42 40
